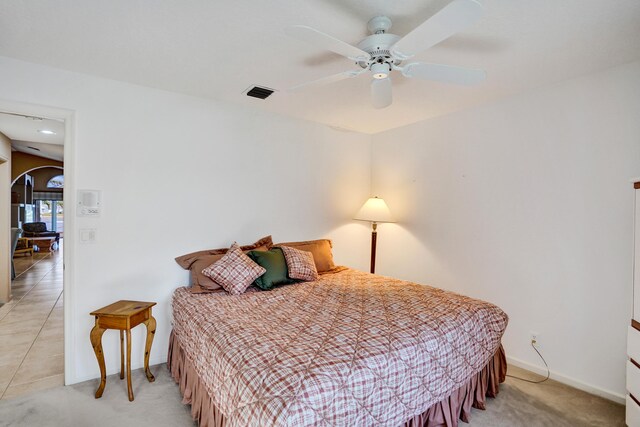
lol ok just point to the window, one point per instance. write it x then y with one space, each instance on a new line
56 182
51 212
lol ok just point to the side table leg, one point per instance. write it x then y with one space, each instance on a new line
96 342
121 354
129 365
150 323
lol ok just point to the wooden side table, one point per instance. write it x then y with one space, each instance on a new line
23 248
123 315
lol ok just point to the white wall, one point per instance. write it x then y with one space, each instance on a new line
5 218
526 203
180 174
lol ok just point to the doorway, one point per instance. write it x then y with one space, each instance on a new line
32 321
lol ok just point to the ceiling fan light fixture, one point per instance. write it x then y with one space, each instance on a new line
380 70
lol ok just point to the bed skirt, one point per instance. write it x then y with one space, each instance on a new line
445 413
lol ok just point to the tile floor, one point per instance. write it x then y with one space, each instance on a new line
31 331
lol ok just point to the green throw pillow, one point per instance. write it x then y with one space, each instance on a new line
274 262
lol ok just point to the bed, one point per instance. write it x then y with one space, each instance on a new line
350 349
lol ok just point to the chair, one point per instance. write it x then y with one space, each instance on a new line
38 229
15 234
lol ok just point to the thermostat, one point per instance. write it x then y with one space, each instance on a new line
89 203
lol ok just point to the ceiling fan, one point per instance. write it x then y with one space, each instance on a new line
383 52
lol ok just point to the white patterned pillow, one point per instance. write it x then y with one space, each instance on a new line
300 264
235 271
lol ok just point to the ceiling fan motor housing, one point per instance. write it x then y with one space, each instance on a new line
378 46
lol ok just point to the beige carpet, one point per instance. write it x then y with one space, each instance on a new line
159 404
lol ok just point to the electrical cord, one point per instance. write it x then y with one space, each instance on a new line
545 364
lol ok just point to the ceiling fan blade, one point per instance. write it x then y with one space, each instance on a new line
451 19
325 41
326 80
381 94
444 73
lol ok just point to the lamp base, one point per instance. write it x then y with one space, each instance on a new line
374 238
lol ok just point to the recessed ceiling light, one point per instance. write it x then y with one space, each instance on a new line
46 131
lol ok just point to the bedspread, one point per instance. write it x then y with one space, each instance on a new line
351 349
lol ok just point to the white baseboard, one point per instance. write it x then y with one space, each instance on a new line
607 394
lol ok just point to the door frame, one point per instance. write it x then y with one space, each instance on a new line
69 196
5 234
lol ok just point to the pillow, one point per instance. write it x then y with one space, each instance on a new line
276 268
198 261
199 282
321 250
185 261
202 283
235 271
300 264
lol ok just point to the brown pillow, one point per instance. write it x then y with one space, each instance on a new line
198 261
321 250
338 269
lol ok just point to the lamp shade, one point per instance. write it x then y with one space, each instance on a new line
374 210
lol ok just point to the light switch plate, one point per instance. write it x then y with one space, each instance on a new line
88 235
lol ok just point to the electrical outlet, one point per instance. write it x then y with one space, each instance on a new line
534 338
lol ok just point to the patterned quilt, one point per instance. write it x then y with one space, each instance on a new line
351 349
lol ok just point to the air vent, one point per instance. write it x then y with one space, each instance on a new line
259 92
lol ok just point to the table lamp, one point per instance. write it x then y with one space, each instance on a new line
374 210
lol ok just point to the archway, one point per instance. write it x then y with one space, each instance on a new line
22 163
14 179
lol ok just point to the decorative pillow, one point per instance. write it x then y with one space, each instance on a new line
235 271
300 264
198 261
321 250
276 268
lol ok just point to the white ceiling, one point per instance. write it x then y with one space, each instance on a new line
49 151
218 49
24 135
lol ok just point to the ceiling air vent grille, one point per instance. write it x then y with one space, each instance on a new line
259 92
